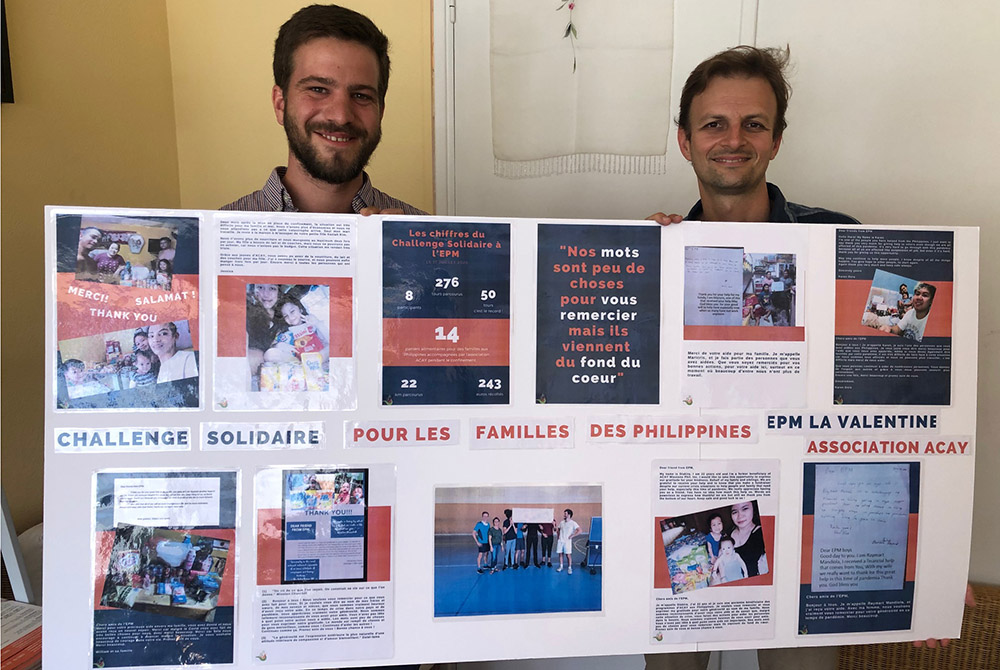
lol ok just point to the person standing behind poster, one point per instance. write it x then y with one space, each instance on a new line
730 126
331 73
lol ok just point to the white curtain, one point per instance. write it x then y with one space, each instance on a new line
580 86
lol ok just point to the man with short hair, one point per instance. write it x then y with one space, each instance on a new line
166 252
911 326
568 529
481 534
730 125
90 237
331 73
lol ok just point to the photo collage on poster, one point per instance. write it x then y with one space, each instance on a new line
714 557
127 312
324 588
385 382
744 315
445 313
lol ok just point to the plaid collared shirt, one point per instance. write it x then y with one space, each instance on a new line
273 197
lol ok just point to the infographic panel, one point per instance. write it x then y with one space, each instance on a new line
445 313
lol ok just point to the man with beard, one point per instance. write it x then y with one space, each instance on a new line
331 72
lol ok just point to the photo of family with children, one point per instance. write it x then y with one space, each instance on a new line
149 366
714 547
288 337
769 289
126 253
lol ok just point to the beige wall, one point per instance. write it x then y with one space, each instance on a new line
92 124
227 138
148 103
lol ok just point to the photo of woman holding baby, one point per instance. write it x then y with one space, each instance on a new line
288 337
299 332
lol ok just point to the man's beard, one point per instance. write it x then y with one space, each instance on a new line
338 169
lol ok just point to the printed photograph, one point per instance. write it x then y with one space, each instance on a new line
769 289
325 526
148 366
163 571
517 550
899 305
126 252
714 547
288 337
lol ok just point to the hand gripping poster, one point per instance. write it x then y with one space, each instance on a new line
164 572
893 317
324 538
445 313
285 296
127 296
598 325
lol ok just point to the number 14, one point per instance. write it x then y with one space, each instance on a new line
452 334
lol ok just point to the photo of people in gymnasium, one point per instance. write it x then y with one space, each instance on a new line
517 550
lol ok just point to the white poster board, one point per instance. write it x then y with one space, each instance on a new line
459 366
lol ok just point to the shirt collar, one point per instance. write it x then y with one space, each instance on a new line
281 200
779 212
